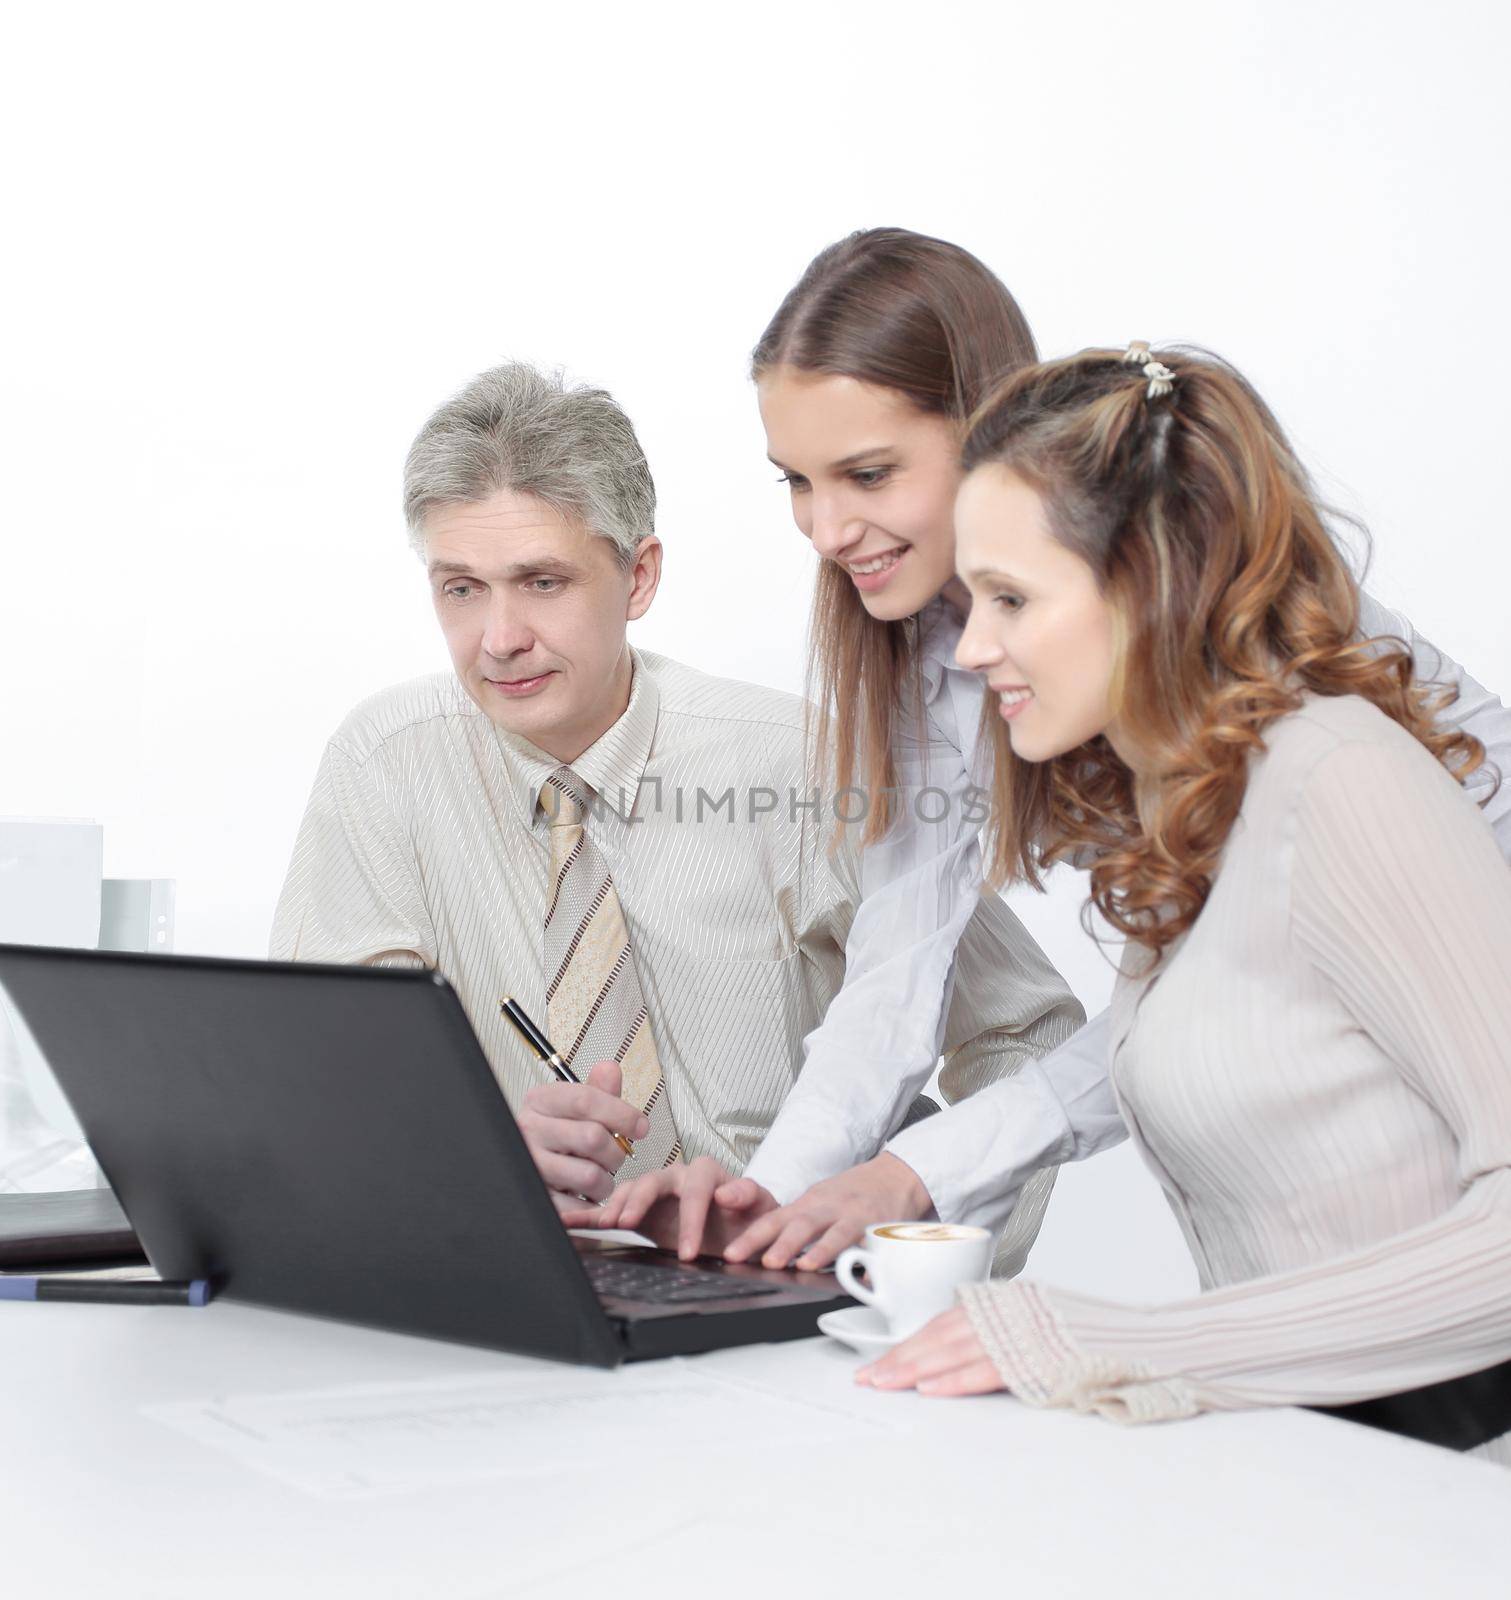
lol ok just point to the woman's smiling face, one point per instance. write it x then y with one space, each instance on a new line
1040 630
872 480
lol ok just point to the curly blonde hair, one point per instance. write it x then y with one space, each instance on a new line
1231 599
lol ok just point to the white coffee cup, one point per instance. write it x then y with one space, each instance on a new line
915 1269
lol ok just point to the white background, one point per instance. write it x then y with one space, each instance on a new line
250 248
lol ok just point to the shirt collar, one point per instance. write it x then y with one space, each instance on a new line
612 767
939 630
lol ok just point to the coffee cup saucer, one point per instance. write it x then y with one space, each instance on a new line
863 1328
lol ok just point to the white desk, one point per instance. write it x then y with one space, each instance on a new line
869 1495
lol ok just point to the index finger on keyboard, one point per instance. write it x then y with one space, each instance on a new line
738 1194
757 1236
697 1193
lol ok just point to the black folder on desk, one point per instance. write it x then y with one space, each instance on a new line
70 1228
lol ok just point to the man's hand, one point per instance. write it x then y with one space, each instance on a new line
834 1214
945 1356
695 1209
570 1128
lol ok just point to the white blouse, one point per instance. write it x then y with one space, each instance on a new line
1319 1075
885 1031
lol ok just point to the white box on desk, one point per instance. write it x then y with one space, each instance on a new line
50 875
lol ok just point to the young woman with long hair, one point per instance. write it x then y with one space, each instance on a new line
866 377
1310 1038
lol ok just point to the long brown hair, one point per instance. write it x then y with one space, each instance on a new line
1230 596
926 319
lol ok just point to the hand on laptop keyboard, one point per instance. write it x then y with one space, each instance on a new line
681 1207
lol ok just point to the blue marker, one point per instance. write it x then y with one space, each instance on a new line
108 1291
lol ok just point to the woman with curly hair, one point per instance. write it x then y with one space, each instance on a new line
1310 1039
866 377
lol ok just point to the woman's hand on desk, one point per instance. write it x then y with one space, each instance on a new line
943 1357
833 1215
695 1209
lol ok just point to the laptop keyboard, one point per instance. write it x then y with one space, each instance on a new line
635 1280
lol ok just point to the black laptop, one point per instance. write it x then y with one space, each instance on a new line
331 1140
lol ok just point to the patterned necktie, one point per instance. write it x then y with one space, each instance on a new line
594 1008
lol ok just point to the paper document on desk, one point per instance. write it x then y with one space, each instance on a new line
373 1439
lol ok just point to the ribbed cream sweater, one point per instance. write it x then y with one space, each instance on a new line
1319 1075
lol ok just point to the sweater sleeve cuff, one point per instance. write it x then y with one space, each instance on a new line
1041 1361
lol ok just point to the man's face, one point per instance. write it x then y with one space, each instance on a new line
534 608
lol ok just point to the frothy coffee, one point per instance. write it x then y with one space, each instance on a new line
927 1232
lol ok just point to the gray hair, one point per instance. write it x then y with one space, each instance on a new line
514 427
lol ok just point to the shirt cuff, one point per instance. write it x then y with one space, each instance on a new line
818 1134
975 1157
1041 1361
787 1164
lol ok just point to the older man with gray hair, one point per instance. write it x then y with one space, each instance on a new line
610 837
